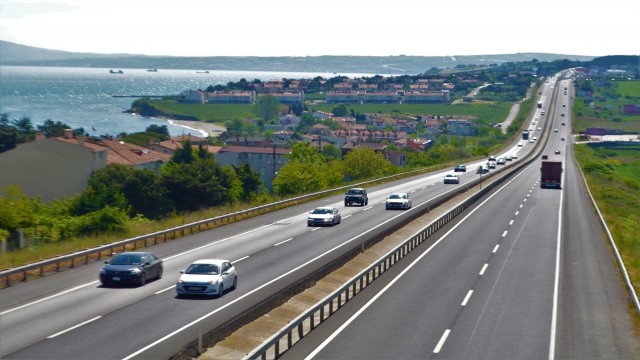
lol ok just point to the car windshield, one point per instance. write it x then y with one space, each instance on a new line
355 192
126 259
322 211
395 196
203 269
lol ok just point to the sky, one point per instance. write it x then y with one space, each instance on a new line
328 27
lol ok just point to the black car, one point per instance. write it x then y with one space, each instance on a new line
134 267
356 196
460 168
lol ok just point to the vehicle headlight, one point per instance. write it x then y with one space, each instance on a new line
103 271
213 282
135 271
180 281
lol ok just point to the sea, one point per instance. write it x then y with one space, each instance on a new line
95 98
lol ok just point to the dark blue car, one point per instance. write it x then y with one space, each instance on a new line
131 268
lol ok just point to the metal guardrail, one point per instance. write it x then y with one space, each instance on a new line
41 268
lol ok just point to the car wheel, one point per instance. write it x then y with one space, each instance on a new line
220 289
235 283
143 279
159 274
346 204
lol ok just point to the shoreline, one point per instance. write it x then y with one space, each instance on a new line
204 128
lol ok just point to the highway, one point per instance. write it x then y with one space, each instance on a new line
525 274
70 316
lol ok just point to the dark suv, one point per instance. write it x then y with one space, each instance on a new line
356 196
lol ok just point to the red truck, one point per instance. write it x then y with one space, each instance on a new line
551 174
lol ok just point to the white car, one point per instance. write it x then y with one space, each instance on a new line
207 277
451 179
324 215
398 201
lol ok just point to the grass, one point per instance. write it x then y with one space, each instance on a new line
214 113
606 108
219 113
613 176
486 113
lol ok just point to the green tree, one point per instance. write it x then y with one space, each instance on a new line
184 154
25 129
106 220
304 172
306 121
297 177
158 129
105 189
52 129
16 210
331 152
340 110
267 107
201 184
251 182
364 163
234 126
8 138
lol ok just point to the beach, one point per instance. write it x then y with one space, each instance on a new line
204 128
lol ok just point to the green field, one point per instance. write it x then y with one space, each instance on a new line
613 176
216 113
606 108
219 113
486 113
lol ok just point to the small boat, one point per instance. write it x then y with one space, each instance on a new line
202 72
152 70
116 72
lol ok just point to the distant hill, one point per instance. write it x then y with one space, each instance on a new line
16 54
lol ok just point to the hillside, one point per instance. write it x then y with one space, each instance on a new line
16 54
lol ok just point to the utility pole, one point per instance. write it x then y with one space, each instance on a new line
273 163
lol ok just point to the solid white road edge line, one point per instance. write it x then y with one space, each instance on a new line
556 284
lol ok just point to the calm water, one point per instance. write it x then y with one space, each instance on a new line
83 97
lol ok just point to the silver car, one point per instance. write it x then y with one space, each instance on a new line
324 215
207 277
398 201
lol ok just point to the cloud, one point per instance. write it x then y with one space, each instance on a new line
19 10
